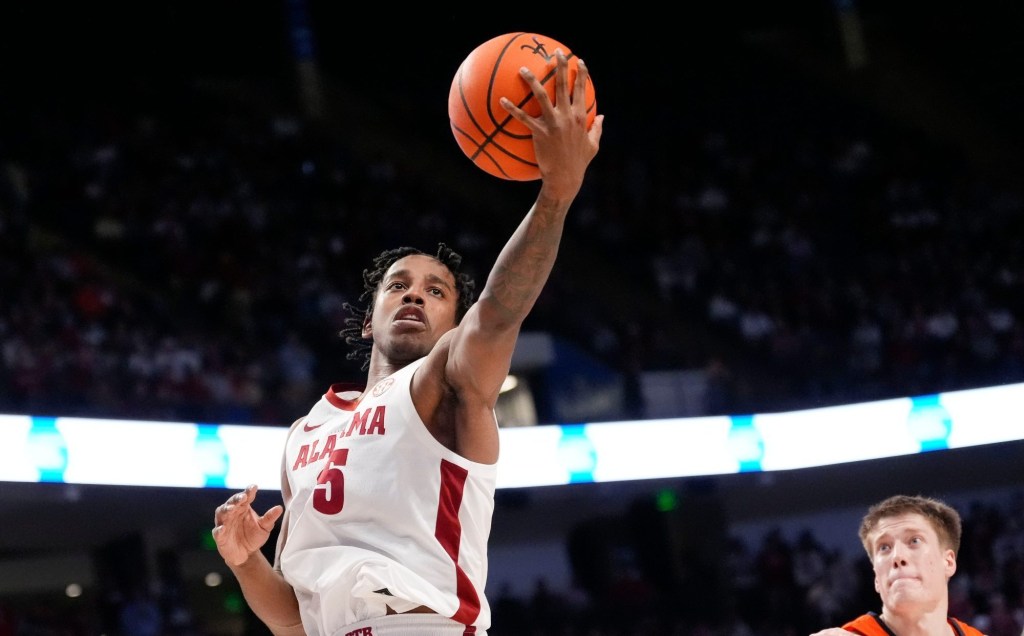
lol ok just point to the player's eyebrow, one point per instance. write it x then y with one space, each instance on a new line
431 278
438 280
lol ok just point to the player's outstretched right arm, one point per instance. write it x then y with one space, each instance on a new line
240 533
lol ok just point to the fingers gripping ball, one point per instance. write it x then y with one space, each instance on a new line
494 140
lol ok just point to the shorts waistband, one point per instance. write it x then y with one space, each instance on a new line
410 625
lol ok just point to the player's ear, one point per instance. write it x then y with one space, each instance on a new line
368 327
950 560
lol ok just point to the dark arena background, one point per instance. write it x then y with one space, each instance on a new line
797 208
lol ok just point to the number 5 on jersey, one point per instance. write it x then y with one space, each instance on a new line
329 492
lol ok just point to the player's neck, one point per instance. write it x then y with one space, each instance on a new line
933 623
381 368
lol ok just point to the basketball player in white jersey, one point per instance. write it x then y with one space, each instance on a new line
388 488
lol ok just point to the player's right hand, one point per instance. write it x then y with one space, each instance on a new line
238 530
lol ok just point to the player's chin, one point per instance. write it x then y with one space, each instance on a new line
901 594
410 346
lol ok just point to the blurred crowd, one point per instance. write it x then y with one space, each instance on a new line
171 254
846 256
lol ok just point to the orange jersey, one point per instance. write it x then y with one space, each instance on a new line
871 624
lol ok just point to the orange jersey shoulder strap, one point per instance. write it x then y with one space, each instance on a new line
869 624
963 629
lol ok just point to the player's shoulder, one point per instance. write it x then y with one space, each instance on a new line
963 629
869 624
334 401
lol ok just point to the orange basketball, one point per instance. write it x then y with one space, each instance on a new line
486 132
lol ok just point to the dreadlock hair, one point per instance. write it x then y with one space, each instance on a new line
353 330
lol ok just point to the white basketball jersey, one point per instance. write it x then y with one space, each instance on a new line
382 514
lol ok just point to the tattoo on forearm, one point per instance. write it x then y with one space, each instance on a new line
524 265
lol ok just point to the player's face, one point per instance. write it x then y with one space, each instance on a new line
912 568
414 306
